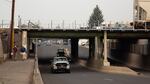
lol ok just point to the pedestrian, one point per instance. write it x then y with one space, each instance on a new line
23 49
23 53
14 52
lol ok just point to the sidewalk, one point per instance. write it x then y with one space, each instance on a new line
111 69
17 72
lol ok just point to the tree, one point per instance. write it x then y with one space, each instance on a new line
96 18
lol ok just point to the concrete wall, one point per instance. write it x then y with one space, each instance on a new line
1 51
3 46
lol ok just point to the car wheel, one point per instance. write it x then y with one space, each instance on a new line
68 71
52 70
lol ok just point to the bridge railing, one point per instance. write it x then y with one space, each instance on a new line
28 24
4 24
74 26
104 29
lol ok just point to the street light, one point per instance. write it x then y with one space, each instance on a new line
12 28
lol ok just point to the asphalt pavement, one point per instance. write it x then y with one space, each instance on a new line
81 75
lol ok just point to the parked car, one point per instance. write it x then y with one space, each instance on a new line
60 64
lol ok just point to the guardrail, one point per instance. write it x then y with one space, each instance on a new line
86 29
103 29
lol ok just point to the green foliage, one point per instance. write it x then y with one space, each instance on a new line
96 18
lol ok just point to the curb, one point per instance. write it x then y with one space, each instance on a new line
37 78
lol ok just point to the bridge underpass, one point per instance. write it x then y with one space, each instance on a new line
75 50
78 72
131 52
48 50
74 43
125 40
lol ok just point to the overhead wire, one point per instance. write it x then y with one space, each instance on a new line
8 2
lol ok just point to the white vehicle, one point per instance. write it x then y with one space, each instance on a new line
60 64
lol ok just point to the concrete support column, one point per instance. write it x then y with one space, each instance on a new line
91 49
97 48
1 51
17 43
105 61
28 46
36 49
3 46
24 43
148 56
24 39
74 49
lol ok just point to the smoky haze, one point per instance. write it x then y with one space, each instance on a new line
68 10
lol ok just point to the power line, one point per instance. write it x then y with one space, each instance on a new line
6 3
8 0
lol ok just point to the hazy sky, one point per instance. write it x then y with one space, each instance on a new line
68 10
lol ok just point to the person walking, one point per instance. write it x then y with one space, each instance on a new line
14 52
23 53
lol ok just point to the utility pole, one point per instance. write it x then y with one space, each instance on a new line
12 28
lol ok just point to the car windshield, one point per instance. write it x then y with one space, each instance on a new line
60 59
60 50
60 53
148 24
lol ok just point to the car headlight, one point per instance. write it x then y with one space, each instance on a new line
54 66
68 67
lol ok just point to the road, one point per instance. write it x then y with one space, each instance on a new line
81 75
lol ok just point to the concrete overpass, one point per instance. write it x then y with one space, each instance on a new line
88 33
98 45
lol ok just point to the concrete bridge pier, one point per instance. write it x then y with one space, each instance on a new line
91 52
105 52
98 51
74 49
18 43
31 46
95 50
1 51
24 43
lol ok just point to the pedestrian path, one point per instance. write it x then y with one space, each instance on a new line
111 69
17 72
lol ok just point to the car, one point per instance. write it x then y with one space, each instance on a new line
60 64
60 53
64 53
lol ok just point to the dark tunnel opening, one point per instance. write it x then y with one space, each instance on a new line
47 48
